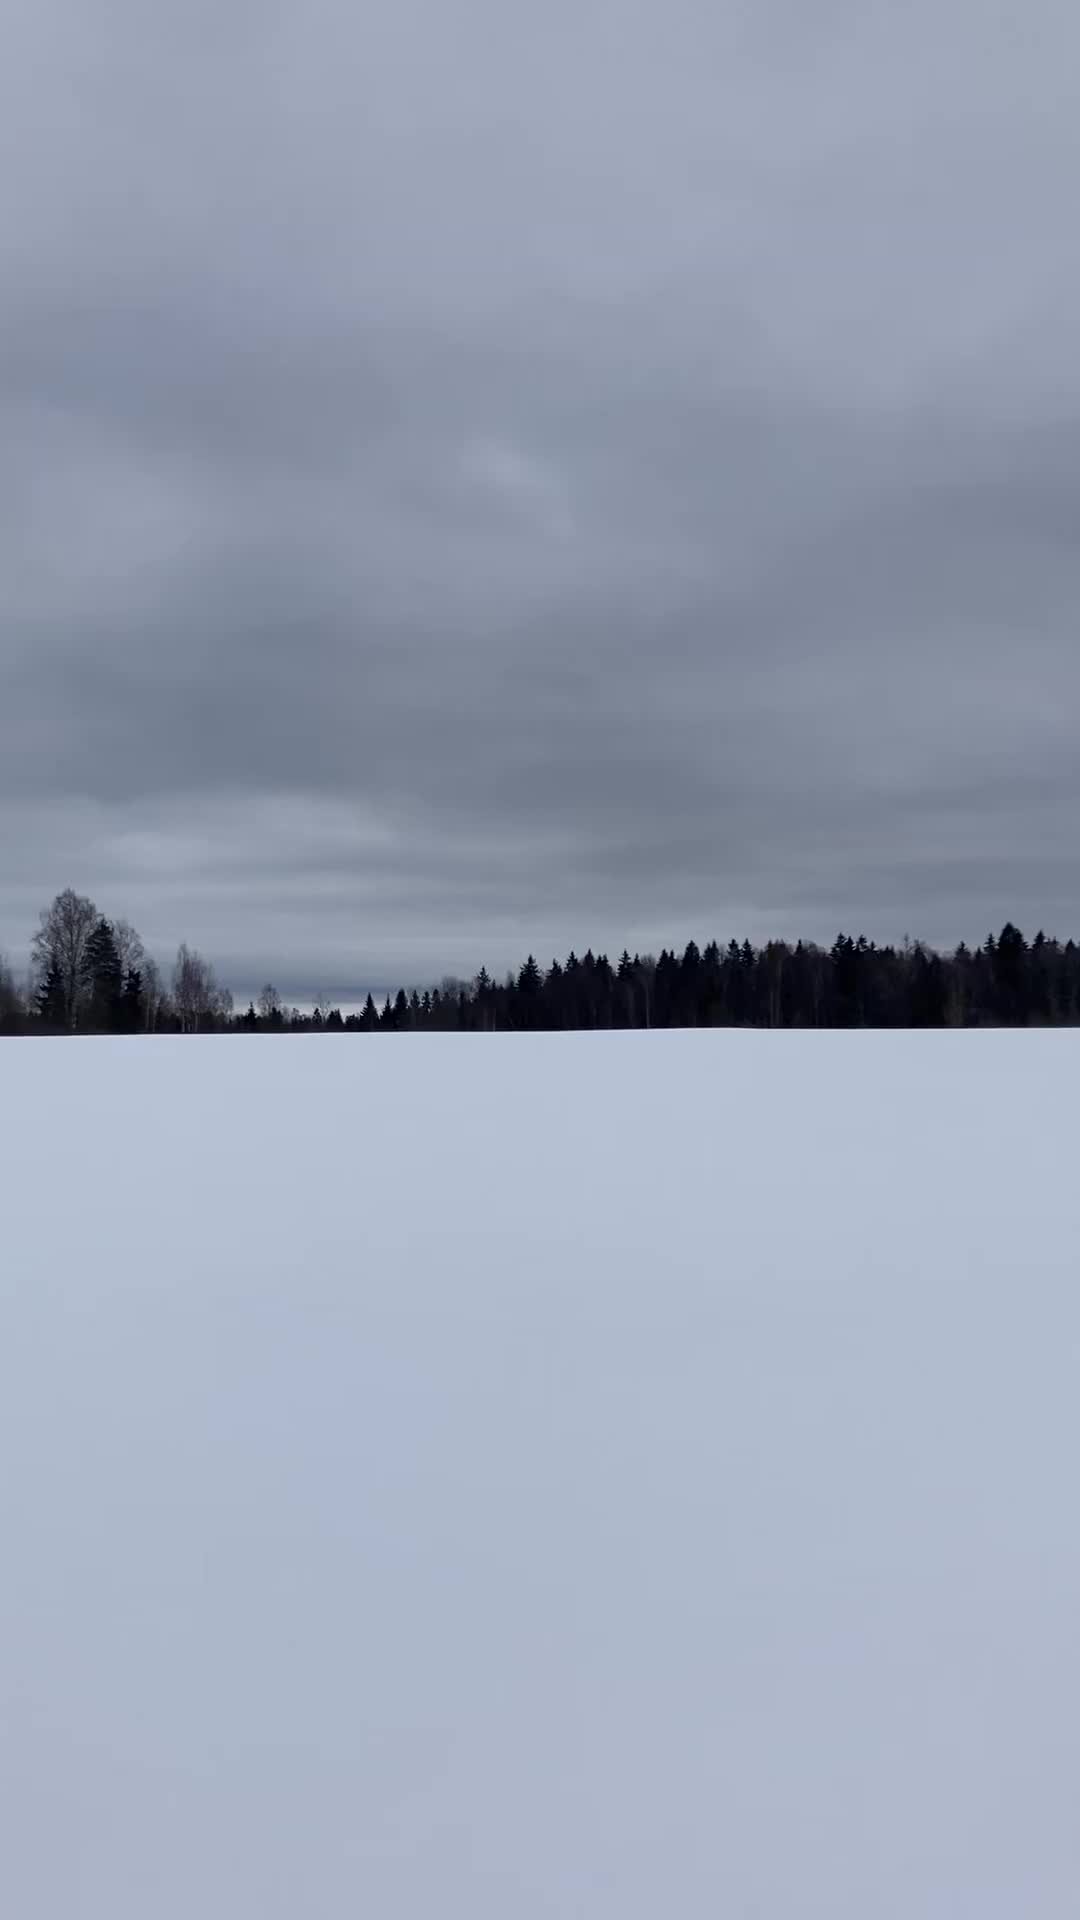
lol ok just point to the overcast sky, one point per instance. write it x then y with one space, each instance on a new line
477 478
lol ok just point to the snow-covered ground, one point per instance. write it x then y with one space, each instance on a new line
632 1477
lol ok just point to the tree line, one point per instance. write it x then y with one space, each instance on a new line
90 974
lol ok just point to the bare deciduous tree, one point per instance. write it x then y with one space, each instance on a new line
200 1003
61 943
11 1003
153 994
270 1005
129 947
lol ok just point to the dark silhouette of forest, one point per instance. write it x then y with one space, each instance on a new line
90 974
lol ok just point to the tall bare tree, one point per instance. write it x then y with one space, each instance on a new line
192 987
153 993
129 947
201 1003
61 944
270 1005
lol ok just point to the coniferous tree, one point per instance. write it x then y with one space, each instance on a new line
529 981
132 1010
526 993
50 1000
104 980
1010 968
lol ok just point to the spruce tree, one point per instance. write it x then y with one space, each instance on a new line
50 1000
104 979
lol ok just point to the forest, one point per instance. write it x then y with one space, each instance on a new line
92 974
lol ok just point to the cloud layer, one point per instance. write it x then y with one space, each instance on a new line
478 479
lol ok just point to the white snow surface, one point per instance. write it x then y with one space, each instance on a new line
587 1477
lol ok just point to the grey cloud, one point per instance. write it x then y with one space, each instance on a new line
473 483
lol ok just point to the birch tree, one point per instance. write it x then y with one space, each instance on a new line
61 946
